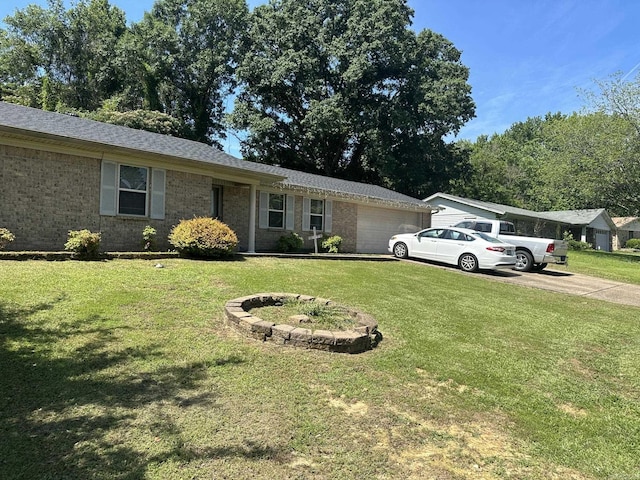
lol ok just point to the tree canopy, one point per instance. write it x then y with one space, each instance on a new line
345 88
563 162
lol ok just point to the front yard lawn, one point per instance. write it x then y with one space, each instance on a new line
618 266
120 370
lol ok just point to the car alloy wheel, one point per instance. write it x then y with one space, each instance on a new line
524 261
468 262
400 250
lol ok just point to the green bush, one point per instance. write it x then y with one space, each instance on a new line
579 246
6 237
290 243
84 244
632 243
576 245
332 244
149 243
203 237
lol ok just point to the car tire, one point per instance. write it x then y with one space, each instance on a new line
468 262
400 250
524 261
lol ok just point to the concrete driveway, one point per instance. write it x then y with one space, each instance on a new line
562 282
572 284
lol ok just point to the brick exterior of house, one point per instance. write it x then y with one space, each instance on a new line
61 173
52 193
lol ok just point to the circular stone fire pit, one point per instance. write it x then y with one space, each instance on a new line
363 336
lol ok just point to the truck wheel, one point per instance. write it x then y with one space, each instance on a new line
400 250
524 261
468 262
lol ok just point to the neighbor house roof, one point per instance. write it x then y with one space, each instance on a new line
579 217
496 208
625 221
19 120
570 217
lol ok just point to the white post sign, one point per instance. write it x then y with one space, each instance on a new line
315 238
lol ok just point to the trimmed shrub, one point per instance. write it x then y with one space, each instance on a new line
575 245
290 243
579 246
6 237
632 243
203 237
149 243
84 244
332 244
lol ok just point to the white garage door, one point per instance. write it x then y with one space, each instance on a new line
377 225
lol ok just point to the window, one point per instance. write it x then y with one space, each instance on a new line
432 233
317 213
131 190
276 211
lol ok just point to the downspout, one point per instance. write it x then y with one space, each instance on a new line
252 219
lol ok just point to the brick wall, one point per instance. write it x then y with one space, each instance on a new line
235 212
44 195
344 224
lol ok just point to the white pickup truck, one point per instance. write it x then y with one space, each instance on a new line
532 253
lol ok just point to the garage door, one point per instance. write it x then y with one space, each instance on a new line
377 225
602 240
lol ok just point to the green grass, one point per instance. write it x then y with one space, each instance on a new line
119 370
618 266
319 316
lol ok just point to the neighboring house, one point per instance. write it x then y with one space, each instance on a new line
61 173
627 228
593 225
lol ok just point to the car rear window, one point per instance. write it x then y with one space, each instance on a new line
488 238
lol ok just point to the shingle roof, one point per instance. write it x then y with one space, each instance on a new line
489 206
571 217
624 221
579 217
296 180
74 128
18 118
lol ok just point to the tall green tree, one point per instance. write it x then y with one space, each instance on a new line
505 168
559 162
54 56
180 60
345 88
593 162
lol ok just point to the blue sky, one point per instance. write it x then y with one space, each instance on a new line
526 57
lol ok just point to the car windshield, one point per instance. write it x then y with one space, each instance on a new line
486 237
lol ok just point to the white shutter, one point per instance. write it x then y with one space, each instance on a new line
263 217
328 216
290 212
158 178
306 214
108 188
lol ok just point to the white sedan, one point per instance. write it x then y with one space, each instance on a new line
468 249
